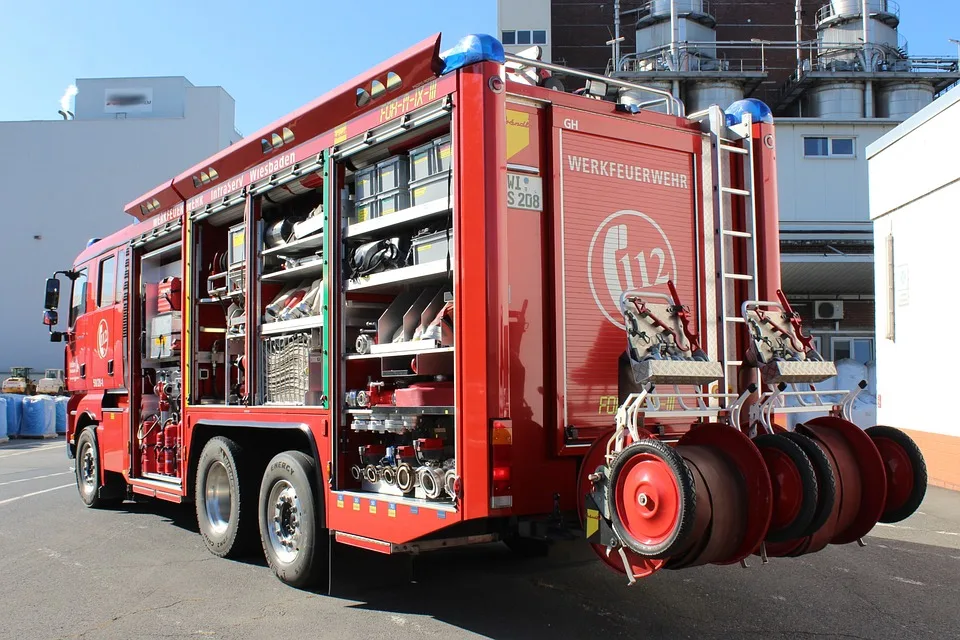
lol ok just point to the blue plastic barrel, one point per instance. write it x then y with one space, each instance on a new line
39 417
62 414
3 417
14 413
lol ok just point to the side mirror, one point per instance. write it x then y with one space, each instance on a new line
51 300
51 318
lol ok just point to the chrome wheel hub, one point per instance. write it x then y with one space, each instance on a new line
88 467
216 497
284 521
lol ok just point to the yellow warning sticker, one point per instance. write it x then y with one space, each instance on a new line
373 506
593 522
418 193
238 240
518 132
340 134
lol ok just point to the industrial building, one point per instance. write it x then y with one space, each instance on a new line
913 208
838 78
67 179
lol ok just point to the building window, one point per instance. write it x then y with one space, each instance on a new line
859 349
526 36
828 147
78 302
107 283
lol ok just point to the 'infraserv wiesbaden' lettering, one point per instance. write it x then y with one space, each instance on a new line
630 172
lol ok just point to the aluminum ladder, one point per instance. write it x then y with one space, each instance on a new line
726 196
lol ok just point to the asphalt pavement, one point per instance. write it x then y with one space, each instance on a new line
141 571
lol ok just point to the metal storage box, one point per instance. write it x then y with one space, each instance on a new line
433 188
364 210
392 174
392 201
430 159
366 183
433 247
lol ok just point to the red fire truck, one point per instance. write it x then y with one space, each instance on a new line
450 303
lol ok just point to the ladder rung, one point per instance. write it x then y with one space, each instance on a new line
737 276
733 149
736 192
734 363
735 319
736 234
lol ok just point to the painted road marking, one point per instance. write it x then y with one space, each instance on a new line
20 452
50 475
35 493
906 528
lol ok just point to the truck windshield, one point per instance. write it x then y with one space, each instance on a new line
78 299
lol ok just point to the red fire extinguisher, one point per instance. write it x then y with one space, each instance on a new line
149 433
170 449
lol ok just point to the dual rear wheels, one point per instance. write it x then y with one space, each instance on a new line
234 505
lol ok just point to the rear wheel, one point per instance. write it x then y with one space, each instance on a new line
224 502
794 482
93 493
652 499
906 472
295 546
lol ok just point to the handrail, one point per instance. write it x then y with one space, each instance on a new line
674 105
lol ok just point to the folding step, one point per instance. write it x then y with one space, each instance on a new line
738 276
736 234
736 192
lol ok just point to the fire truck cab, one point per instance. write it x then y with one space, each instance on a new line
444 304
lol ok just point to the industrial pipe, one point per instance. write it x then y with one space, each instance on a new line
674 36
798 21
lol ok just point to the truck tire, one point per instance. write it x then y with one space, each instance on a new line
224 500
295 545
87 468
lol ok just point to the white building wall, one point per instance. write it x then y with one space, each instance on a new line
64 182
525 15
824 191
914 188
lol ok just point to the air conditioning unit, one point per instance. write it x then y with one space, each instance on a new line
828 310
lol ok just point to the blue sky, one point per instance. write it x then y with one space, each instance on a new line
270 60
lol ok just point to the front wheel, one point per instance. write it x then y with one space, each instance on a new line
294 544
92 491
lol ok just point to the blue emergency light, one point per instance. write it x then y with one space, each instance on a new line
471 49
756 108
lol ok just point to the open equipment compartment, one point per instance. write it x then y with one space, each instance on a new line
396 304
160 325
219 313
290 303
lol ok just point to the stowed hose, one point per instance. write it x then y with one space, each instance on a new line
450 483
431 481
389 475
406 477
356 472
370 474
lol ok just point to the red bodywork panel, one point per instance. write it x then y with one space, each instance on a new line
627 221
